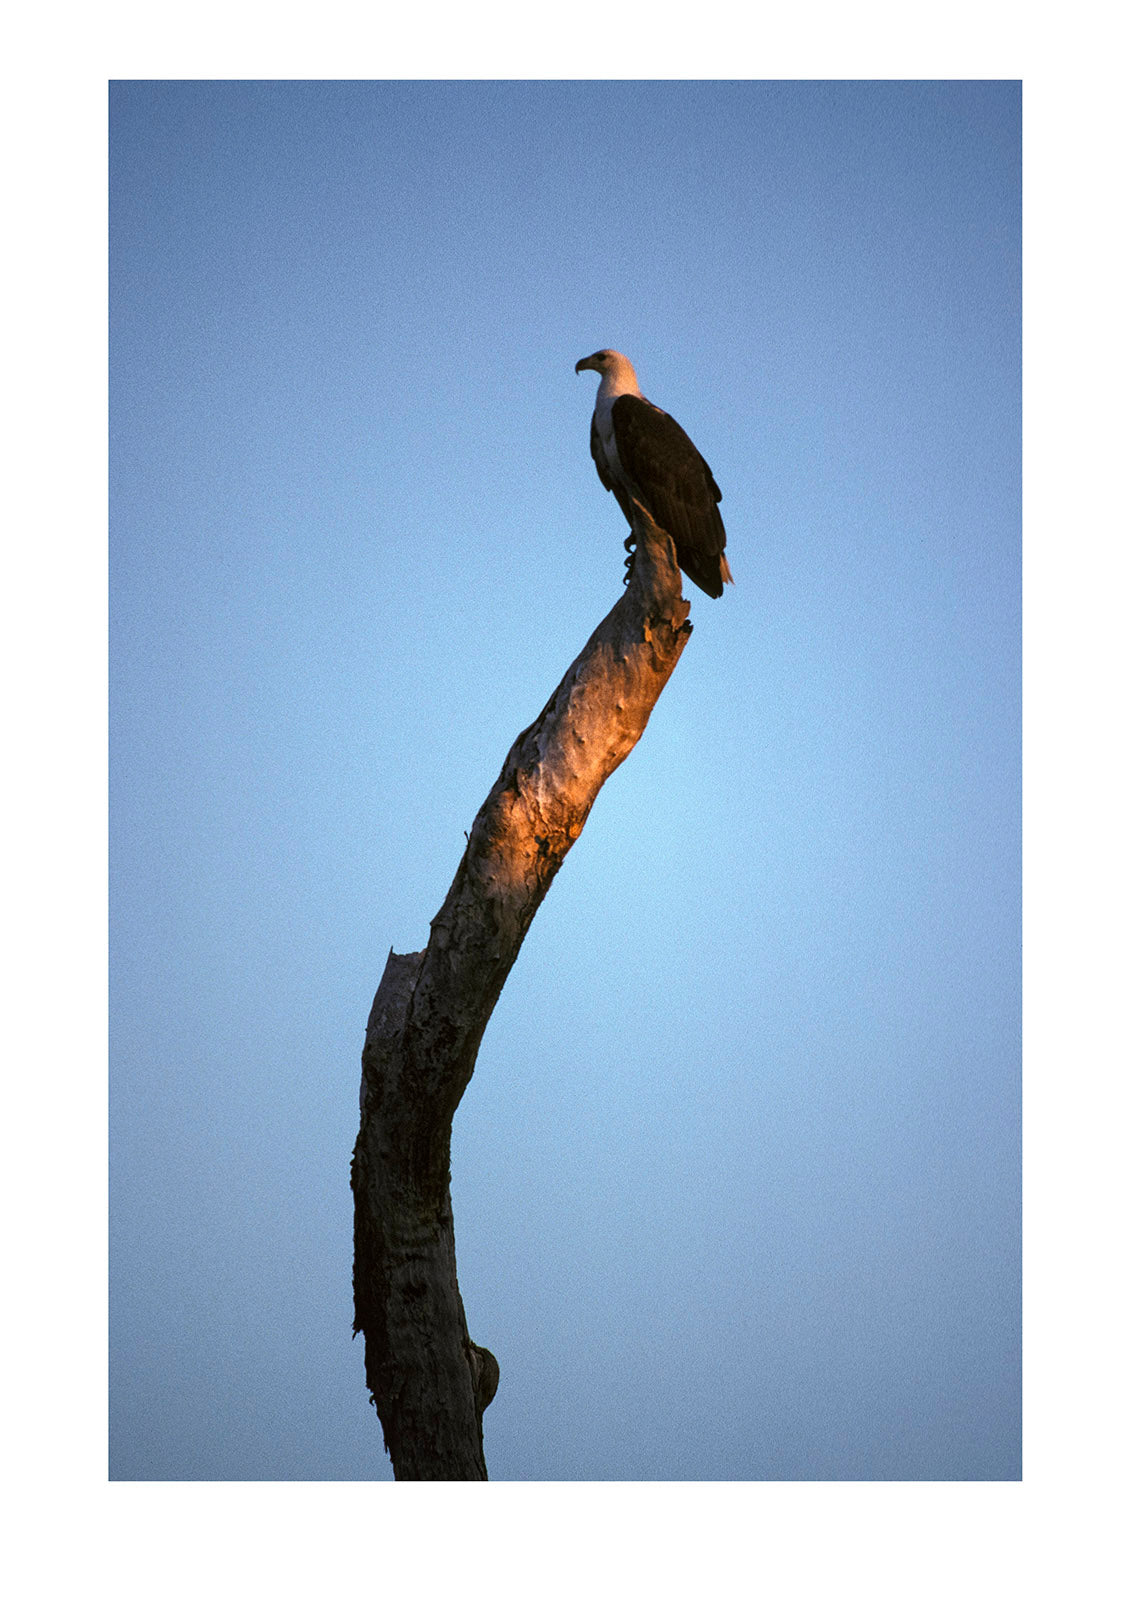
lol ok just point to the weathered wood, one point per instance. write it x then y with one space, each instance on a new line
429 1382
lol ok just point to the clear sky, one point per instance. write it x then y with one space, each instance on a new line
737 1180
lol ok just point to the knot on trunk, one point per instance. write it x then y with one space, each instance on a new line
484 1374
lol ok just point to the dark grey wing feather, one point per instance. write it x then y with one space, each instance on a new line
677 486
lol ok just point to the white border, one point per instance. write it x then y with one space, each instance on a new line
1059 1526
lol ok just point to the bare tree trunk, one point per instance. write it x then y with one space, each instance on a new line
429 1382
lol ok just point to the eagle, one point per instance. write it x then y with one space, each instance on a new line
643 454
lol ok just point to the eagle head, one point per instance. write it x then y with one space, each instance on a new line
618 375
599 361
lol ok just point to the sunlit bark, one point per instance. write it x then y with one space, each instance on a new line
429 1382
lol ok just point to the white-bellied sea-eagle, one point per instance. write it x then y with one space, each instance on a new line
643 454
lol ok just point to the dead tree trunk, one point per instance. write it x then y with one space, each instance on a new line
429 1382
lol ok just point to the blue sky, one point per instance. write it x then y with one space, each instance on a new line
737 1179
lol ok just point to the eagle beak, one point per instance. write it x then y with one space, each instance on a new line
587 362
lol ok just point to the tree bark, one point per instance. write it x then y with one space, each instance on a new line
429 1381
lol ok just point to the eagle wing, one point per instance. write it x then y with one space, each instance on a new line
671 478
